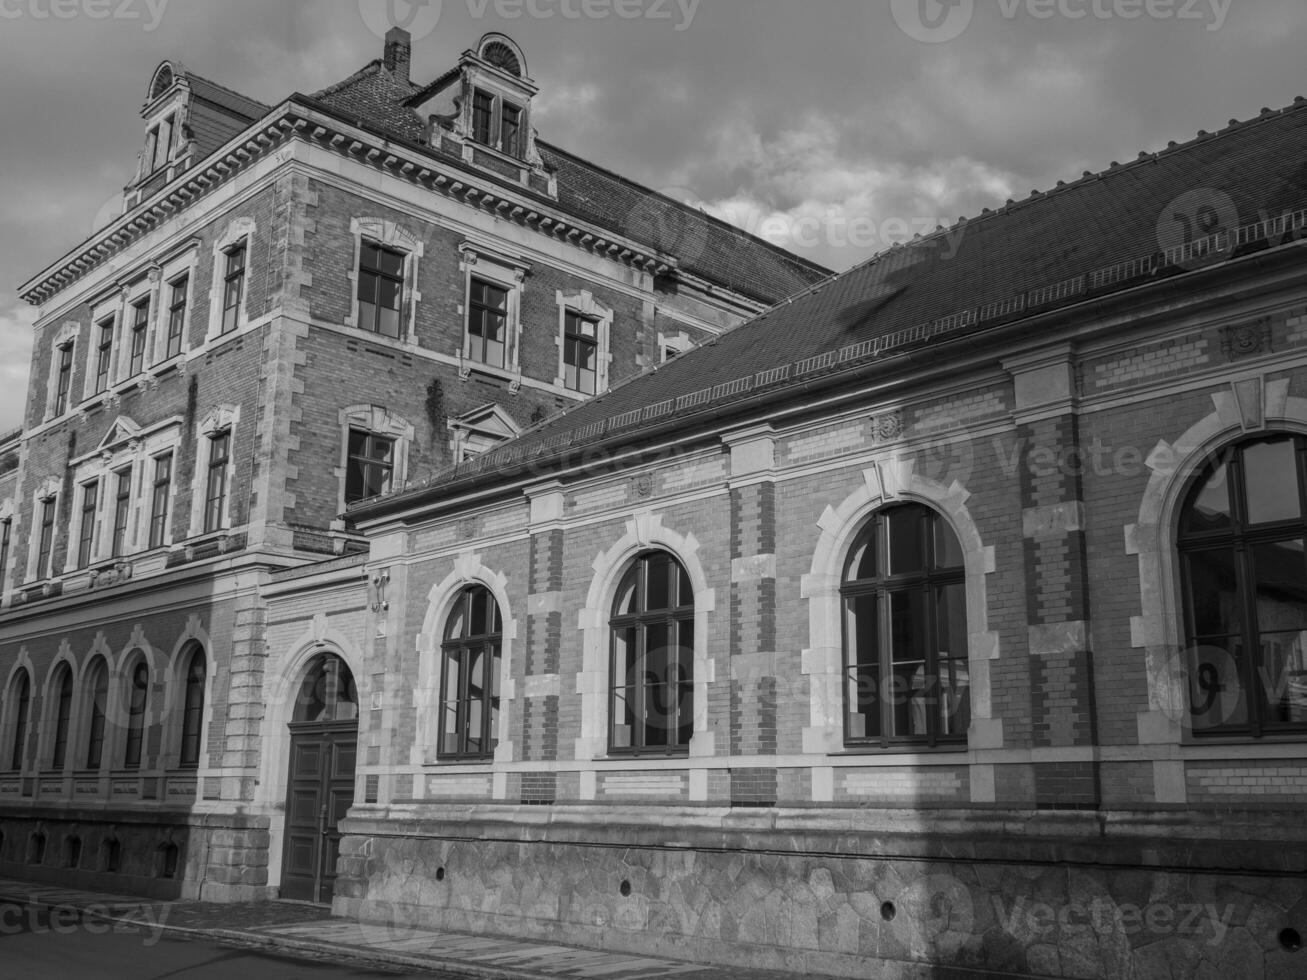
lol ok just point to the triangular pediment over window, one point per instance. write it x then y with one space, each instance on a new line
482 429
122 430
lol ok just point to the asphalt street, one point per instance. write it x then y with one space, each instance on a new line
40 944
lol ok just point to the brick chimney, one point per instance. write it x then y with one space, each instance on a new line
398 52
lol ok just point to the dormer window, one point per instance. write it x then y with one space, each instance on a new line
497 123
158 145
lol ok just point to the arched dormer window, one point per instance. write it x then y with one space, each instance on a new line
1241 540
906 674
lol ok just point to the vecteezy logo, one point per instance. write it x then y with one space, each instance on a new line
935 918
418 17
933 21
1197 227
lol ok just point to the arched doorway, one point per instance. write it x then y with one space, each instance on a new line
320 781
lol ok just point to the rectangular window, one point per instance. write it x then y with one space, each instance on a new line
381 289
121 511
151 150
6 532
580 353
176 316
159 500
86 539
140 324
64 380
370 465
103 355
46 547
487 323
215 495
233 289
483 116
510 129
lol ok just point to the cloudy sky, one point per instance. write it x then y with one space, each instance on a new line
831 126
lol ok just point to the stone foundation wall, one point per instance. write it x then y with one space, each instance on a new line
216 857
892 894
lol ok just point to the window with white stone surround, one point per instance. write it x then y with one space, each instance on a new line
492 304
229 293
215 471
60 396
383 278
584 342
374 449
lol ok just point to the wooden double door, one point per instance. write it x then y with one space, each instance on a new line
320 790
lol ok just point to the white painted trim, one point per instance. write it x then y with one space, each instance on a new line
892 479
582 302
390 235
468 571
643 532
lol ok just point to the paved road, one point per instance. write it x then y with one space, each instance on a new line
61 945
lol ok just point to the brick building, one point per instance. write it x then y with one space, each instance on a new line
947 619
301 306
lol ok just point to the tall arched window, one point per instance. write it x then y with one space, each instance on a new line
22 708
98 703
63 715
1241 542
137 694
469 686
193 709
905 632
652 667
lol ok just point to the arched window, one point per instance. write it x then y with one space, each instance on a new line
137 694
1241 542
63 714
98 703
193 708
469 686
652 666
905 632
328 694
22 708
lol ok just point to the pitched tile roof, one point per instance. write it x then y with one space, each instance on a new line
703 245
1098 235
226 113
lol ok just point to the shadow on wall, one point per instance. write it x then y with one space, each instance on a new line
146 859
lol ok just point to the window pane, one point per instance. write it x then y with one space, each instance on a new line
391 263
955 697
1271 481
910 695
1214 592
907 612
951 620
1283 676
658 583
479 621
948 550
862 560
457 628
625 671
388 326
906 552
1209 507
625 604
1216 695
1281 586
863 666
